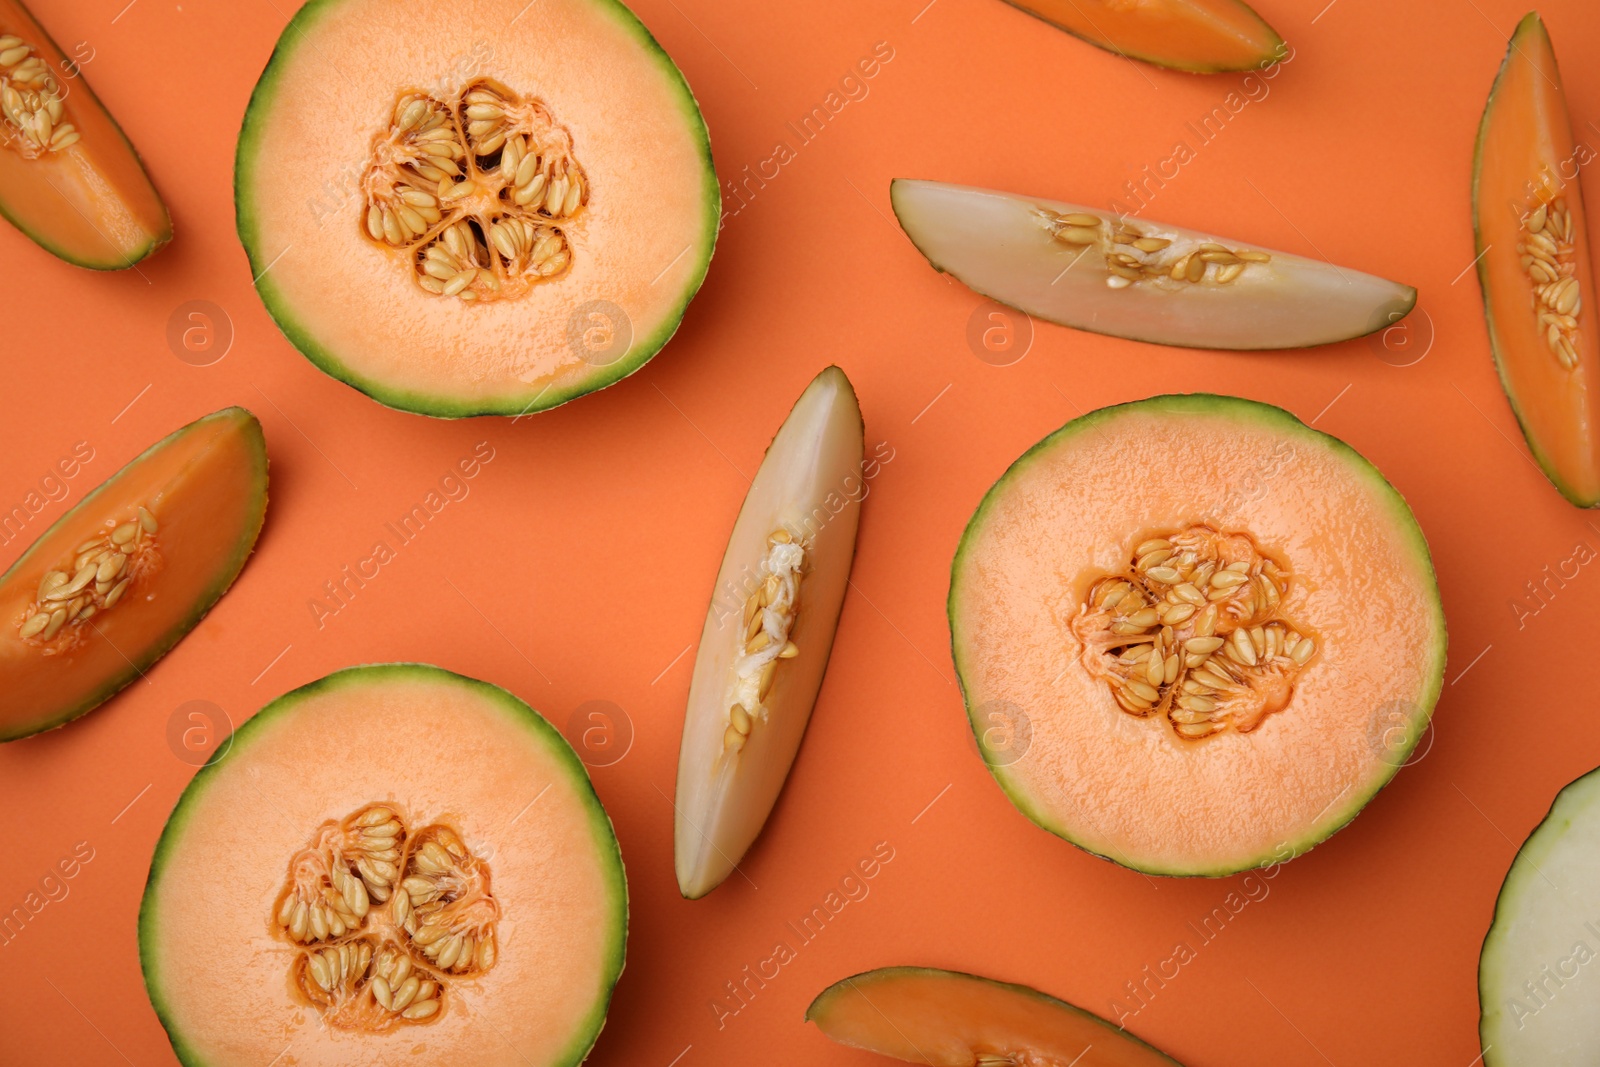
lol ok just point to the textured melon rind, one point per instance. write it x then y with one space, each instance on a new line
301 29
1274 52
237 745
1405 529
228 570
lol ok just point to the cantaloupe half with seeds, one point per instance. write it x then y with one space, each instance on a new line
1539 1003
394 864
1200 36
124 575
1195 636
486 208
69 179
1533 264
1139 279
768 632
950 1019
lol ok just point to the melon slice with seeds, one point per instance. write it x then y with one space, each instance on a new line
1199 36
769 632
1130 277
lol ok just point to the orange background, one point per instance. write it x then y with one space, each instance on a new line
579 567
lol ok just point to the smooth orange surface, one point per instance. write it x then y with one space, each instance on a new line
1197 35
574 565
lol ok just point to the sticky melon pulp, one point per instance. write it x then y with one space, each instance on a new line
1538 1008
70 180
1534 266
1194 635
484 209
768 633
1085 268
950 1019
386 838
1199 36
130 570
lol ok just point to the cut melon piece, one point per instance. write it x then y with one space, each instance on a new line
392 864
1216 630
1533 264
768 633
69 179
1142 280
124 575
950 1019
1540 1007
479 210
1200 36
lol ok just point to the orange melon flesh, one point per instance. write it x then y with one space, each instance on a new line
91 203
1202 36
641 245
207 486
1526 156
950 1019
439 746
1067 513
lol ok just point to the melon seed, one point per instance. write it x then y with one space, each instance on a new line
87 586
769 613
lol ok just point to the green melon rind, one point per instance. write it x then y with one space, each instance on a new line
543 733
1187 405
1266 59
819 1006
1530 24
225 575
1570 804
300 29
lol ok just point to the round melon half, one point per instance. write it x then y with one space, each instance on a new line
1195 636
481 207
392 864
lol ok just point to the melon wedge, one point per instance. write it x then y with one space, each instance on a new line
124 575
394 864
768 633
71 181
1217 629
1534 266
1173 286
1200 36
486 209
950 1019
1540 1007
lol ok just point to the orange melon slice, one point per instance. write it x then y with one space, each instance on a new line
1200 36
394 864
486 209
950 1019
1534 266
69 178
1195 636
124 575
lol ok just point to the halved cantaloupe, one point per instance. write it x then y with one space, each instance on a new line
1539 1004
769 632
69 178
1533 263
1138 279
392 864
950 1019
489 208
1216 629
124 575
1200 36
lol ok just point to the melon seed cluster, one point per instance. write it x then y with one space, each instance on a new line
769 615
1133 255
474 188
1548 256
385 918
31 100
1192 632
95 581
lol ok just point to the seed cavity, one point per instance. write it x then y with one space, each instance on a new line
1192 631
31 102
94 580
384 920
1550 261
769 614
1139 257
476 189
